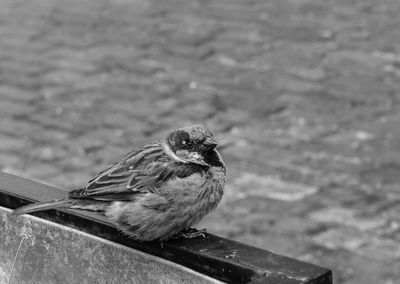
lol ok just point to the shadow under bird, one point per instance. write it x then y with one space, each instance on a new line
157 192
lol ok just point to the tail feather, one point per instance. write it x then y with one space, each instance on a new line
42 206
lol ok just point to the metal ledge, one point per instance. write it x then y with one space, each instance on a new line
213 256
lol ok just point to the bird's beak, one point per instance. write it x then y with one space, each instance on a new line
210 143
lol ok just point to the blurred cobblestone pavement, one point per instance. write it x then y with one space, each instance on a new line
303 93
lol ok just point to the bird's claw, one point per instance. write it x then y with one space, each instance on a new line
191 233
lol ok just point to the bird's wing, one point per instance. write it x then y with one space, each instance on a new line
140 171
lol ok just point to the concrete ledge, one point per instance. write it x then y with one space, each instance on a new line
83 245
35 250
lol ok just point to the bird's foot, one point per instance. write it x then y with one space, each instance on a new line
191 233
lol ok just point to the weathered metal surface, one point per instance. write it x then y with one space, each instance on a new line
217 257
34 250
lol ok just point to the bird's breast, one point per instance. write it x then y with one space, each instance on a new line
197 194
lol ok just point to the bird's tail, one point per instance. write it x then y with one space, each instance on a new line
42 206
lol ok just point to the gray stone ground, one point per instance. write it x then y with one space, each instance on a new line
304 95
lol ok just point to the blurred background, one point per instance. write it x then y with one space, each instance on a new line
303 95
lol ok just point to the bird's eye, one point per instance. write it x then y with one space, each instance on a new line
187 143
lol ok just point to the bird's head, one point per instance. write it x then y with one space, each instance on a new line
192 144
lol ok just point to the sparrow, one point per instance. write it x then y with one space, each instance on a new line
157 192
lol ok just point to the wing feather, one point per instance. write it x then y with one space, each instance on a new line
140 171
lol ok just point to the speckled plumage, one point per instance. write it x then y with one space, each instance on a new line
157 191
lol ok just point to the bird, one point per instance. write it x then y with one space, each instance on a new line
156 192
